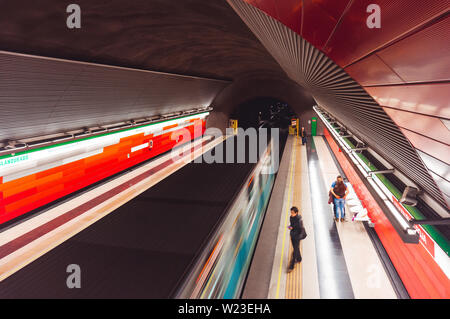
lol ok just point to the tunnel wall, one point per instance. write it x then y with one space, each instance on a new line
306 116
249 88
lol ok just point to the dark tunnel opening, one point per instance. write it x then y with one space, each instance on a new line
263 111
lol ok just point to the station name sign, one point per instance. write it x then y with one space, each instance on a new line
13 160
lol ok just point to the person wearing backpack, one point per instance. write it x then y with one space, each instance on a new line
297 233
340 192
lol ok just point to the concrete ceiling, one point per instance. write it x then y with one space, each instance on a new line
189 37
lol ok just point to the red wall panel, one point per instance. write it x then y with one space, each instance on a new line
373 71
268 6
319 20
290 13
354 40
423 56
432 99
429 146
426 125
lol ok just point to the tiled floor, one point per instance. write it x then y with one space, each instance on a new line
303 281
367 275
334 281
339 259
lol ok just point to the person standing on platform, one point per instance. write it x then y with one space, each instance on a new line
303 135
340 192
297 233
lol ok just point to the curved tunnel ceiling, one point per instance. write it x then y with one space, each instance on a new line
416 144
204 39
207 39
42 96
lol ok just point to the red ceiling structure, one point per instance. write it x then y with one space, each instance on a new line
404 65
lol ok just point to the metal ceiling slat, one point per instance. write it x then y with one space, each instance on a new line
44 92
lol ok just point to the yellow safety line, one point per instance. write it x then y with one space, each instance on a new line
294 278
285 221
294 288
301 275
289 277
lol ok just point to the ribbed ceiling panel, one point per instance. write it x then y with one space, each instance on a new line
336 92
40 96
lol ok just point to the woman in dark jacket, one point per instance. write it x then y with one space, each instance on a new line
297 230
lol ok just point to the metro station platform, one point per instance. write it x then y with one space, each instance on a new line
94 101
153 231
340 259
